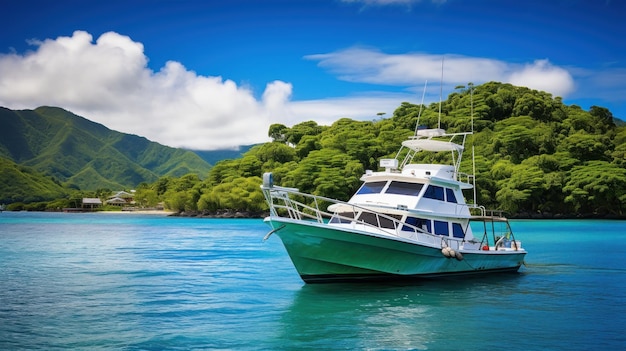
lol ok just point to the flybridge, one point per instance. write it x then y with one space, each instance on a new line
435 140
424 171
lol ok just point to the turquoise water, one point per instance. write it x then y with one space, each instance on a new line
133 282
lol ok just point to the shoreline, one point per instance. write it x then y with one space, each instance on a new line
144 212
128 211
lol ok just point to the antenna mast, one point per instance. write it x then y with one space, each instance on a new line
421 106
471 86
440 94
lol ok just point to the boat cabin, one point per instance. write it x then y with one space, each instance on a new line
419 188
411 197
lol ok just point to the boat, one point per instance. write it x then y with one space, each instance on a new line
406 221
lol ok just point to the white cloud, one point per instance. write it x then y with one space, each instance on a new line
363 106
542 75
375 67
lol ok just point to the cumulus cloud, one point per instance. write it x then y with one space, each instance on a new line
363 106
372 66
109 82
542 75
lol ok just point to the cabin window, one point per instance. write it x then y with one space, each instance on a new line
404 188
434 192
369 218
371 188
336 219
385 222
450 195
373 219
457 230
441 228
417 222
388 223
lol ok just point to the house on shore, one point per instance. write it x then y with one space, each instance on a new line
121 198
91 203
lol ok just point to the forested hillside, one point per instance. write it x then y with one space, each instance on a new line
26 185
535 156
71 152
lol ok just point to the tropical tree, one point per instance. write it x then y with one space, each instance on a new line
183 193
597 187
241 194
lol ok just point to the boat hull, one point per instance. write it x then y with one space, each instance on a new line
324 253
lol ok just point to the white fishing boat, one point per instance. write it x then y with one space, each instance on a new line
407 221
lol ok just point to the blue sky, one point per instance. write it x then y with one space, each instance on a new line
216 74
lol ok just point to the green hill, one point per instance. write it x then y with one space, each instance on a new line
77 153
23 184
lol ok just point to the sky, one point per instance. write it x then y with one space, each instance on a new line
212 74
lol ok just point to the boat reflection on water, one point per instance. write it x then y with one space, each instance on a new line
395 316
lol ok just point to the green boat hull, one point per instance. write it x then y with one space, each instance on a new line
324 253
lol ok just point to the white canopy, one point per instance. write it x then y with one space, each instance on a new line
432 145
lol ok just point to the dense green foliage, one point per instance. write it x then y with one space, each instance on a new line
26 185
535 156
66 150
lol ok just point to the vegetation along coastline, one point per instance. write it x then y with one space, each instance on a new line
539 158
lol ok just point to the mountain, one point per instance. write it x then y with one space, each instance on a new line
75 152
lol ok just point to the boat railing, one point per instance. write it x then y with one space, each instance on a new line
293 204
477 210
481 211
465 177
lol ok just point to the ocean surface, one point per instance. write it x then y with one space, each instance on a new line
149 282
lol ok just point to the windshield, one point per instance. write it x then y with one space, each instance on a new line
371 188
404 188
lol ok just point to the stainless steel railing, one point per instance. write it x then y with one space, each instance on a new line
293 204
